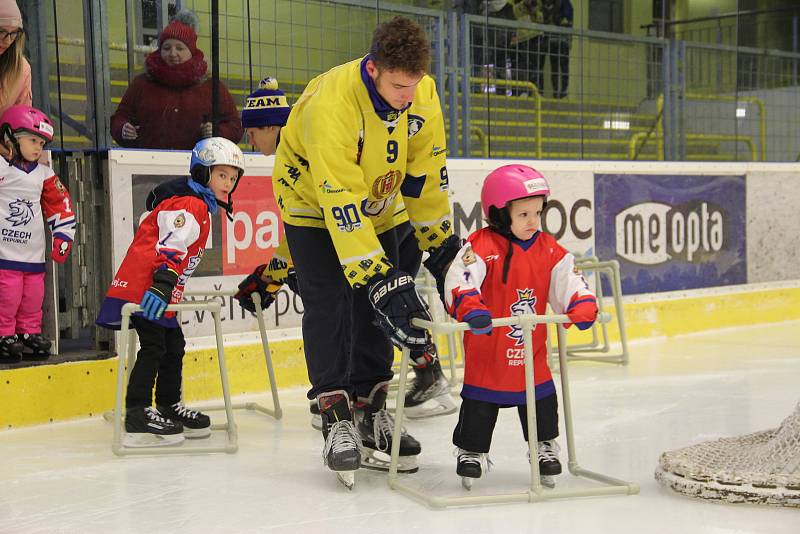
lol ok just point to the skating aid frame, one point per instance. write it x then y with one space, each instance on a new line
128 354
276 410
611 485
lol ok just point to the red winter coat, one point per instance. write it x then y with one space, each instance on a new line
170 117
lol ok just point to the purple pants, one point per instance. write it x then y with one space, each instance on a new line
21 297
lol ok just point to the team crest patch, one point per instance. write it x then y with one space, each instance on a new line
415 124
180 220
20 212
384 185
206 155
469 256
525 304
59 186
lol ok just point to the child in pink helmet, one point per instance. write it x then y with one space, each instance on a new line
510 268
28 189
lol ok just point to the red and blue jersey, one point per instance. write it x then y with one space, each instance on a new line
172 236
540 272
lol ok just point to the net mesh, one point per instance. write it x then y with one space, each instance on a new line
763 467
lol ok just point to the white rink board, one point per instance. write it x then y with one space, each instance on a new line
773 192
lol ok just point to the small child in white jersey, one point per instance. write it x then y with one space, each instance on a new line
28 189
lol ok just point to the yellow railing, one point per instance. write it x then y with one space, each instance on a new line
533 94
636 138
762 119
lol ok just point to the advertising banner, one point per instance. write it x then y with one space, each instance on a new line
672 232
234 248
568 215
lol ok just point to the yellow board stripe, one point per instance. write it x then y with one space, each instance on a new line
46 393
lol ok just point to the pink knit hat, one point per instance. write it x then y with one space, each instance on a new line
9 14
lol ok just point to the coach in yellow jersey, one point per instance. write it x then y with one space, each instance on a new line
359 137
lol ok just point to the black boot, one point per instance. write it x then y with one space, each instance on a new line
37 347
10 349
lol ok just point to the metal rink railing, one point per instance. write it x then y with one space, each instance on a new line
609 485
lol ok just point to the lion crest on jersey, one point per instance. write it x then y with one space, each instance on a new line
20 212
415 124
526 303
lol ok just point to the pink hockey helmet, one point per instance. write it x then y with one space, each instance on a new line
27 119
511 182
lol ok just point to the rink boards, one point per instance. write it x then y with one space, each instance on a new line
700 245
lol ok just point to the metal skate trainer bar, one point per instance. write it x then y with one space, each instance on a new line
276 410
611 485
128 353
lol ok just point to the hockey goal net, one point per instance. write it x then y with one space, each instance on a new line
763 467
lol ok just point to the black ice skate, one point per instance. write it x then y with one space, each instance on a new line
10 349
549 466
470 466
37 347
195 424
429 394
376 427
342 452
146 427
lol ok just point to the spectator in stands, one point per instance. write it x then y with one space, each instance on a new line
15 72
558 13
169 106
529 46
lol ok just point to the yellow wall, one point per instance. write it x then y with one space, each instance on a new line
49 393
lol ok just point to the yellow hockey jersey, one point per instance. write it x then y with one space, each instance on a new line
342 167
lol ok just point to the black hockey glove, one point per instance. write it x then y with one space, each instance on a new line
156 299
440 259
254 283
396 302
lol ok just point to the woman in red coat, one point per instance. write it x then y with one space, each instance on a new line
169 106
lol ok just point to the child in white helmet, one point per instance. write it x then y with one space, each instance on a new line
510 268
28 190
166 250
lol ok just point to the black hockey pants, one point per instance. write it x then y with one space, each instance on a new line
477 419
343 348
159 362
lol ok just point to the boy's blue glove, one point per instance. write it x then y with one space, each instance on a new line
153 304
480 322
157 297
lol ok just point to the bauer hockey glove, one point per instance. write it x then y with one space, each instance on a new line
396 302
61 248
479 321
255 283
157 297
440 258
